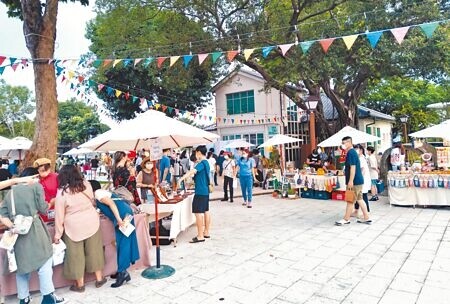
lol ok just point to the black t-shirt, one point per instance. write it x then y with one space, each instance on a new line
314 158
94 163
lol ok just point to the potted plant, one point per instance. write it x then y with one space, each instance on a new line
292 193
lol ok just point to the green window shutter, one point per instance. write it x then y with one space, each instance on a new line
229 105
244 104
368 130
251 103
379 135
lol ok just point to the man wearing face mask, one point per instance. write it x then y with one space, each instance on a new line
247 174
229 173
313 160
354 180
146 178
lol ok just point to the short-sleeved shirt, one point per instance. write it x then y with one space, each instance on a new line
201 178
395 157
353 160
373 165
163 165
228 168
94 163
50 185
246 166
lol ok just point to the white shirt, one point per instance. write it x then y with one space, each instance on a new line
228 168
212 164
101 193
395 157
366 174
373 165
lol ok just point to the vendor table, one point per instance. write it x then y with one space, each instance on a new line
8 281
182 216
402 191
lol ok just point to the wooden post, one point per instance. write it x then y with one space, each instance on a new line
312 129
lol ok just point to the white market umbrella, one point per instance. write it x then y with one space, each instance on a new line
142 131
238 143
4 140
439 105
15 147
279 139
78 151
437 131
358 137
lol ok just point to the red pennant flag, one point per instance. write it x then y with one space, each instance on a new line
2 58
127 95
80 78
164 108
160 61
63 78
195 115
106 62
231 55
325 43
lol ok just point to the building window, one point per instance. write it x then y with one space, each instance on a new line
241 102
253 138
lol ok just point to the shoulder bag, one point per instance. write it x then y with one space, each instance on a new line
22 223
123 193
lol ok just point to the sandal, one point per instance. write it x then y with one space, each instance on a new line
76 288
207 236
99 284
196 240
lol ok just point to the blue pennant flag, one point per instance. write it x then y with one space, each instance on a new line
429 28
2 69
373 38
266 50
110 91
59 70
135 99
12 60
147 61
187 59
127 62
305 45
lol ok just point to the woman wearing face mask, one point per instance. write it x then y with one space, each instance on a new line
229 173
146 179
124 175
247 174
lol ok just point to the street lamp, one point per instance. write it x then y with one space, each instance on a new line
404 121
312 103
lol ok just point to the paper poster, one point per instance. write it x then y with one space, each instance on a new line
156 151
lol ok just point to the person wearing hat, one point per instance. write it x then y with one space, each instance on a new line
49 181
146 178
247 174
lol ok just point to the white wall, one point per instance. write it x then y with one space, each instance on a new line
385 132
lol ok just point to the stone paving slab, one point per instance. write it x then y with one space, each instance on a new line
289 251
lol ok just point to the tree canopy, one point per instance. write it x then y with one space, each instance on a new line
146 31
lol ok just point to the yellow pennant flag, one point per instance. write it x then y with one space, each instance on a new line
248 53
349 40
116 62
71 74
173 59
118 93
157 105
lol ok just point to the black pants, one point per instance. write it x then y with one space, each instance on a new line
228 183
366 200
215 178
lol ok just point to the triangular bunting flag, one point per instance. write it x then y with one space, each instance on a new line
305 45
164 108
2 58
427 28
134 99
127 95
2 69
160 61
100 87
96 63
173 60
231 55
285 48
349 40
110 91
325 43
201 58
12 60
106 62
400 33
127 62
157 105
118 93
71 74
116 62
232 120
187 59
148 61
143 100
215 56
137 60
248 53
80 78
373 38
266 50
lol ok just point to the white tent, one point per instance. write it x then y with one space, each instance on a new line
14 148
238 143
147 128
437 131
279 139
78 151
358 137
4 140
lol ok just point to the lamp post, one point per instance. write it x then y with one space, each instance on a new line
404 121
311 103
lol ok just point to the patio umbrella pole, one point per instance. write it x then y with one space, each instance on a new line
160 271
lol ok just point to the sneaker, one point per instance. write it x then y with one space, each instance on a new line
244 204
362 221
25 301
374 199
52 299
231 201
342 222
224 200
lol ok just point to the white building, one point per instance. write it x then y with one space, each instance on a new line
246 110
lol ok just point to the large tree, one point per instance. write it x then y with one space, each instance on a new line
341 74
146 33
39 29
15 104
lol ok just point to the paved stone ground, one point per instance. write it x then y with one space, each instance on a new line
289 251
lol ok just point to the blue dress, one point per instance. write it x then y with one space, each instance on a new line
127 247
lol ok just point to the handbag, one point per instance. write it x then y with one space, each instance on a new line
59 251
12 263
350 196
124 194
22 223
8 240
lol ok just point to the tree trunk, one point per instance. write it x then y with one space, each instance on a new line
39 29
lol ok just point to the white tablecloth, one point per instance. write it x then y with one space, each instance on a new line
412 196
182 216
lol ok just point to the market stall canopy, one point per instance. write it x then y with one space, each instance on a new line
238 143
439 105
4 140
78 151
142 132
15 147
437 131
279 139
358 137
